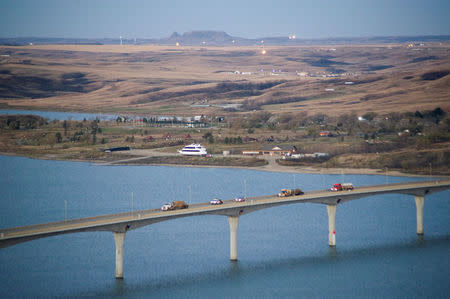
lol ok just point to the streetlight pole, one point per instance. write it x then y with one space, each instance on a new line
132 198
245 189
190 191
294 181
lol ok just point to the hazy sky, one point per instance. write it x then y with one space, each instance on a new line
251 19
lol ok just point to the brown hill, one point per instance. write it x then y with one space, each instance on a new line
206 79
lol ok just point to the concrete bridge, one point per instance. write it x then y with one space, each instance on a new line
121 223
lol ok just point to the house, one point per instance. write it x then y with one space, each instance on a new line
325 134
279 150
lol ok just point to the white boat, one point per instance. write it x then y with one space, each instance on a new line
193 150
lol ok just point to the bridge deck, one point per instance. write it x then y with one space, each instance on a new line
131 220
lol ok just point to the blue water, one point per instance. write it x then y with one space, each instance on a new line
51 115
283 251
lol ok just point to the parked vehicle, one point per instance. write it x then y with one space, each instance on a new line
167 207
215 201
179 205
239 199
290 192
342 187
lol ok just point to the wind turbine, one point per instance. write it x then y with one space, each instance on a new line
120 40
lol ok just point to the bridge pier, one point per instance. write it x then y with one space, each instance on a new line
420 200
331 209
233 221
119 239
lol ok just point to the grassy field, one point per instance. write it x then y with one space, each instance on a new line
168 80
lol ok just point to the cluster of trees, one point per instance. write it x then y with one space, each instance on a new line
208 136
369 125
21 122
85 132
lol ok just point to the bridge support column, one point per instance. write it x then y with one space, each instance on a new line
331 209
233 221
420 200
119 239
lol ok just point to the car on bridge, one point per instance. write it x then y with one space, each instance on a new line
215 201
239 199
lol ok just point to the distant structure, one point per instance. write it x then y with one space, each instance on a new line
120 40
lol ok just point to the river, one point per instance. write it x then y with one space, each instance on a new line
283 251
51 115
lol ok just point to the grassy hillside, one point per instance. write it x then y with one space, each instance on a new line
171 80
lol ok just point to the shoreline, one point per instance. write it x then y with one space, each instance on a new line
291 169
271 167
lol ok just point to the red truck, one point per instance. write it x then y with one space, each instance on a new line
342 187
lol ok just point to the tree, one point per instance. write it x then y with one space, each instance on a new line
58 137
207 135
258 119
65 126
14 125
369 116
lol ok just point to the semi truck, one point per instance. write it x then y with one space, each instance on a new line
174 206
290 192
342 187
179 205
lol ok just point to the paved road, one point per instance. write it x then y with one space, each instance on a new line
131 220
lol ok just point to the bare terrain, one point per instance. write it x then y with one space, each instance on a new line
170 80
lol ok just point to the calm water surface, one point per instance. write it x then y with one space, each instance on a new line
61 115
283 251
